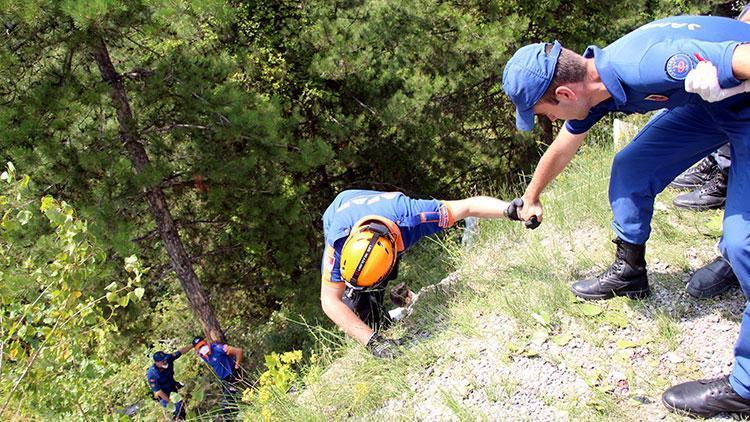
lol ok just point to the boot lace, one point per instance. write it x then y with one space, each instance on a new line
713 183
718 386
703 167
616 266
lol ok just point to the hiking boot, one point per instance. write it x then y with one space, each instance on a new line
712 195
705 398
625 277
712 279
695 177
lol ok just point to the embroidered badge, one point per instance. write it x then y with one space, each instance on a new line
678 66
445 217
657 98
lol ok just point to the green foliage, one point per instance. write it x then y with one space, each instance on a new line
55 310
276 381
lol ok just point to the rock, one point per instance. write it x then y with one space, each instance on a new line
674 358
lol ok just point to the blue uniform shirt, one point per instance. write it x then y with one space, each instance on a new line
413 218
163 379
220 361
645 70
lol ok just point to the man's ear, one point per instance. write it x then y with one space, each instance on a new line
564 93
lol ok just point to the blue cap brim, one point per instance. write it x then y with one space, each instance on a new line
525 119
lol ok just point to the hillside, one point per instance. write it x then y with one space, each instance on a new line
507 340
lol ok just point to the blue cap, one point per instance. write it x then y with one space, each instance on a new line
160 356
527 76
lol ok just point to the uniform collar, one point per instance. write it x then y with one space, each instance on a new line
607 73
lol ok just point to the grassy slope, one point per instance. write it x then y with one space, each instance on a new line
511 342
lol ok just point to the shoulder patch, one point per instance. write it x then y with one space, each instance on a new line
446 217
329 260
678 66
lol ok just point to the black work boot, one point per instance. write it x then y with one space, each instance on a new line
712 279
695 177
705 398
712 195
626 277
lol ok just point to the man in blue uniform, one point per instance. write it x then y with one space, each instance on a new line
365 233
161 380
689 65
708 182
225 361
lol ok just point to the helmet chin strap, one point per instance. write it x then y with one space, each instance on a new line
363 260
378 231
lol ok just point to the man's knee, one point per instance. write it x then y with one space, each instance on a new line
622 160
625 172
735 245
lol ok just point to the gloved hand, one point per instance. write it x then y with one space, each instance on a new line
704 81
383 348
512 213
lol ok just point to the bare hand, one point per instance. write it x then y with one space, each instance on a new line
531 209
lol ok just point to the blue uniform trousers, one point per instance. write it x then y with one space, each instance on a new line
670 143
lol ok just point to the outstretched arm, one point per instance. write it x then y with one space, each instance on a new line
478 206
340 314
554 160
236 353
185 349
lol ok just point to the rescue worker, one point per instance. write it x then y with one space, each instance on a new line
225 361
365 234
708 182
160 376
696 67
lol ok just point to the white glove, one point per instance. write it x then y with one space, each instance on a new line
704 81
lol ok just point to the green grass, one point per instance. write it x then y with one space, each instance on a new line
668 331
459 410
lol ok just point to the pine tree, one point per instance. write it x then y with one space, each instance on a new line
57 75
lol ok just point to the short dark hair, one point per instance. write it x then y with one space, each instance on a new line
571 68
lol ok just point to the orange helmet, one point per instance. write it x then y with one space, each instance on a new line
368 256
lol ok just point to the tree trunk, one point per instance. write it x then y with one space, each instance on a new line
156 200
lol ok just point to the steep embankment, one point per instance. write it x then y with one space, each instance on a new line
506 339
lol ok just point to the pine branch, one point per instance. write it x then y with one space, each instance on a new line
373 112
139 73
174 126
